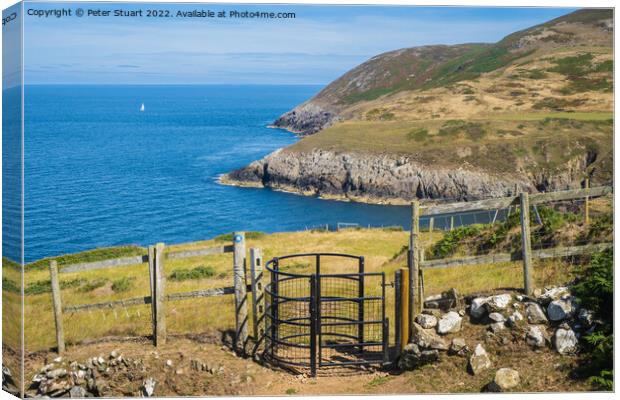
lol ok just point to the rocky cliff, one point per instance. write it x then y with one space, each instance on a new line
395 179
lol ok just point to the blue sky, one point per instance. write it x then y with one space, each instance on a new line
319 45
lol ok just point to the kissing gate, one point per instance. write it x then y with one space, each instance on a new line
324 319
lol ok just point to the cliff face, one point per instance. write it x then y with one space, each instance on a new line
393 178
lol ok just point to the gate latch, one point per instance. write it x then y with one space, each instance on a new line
390 284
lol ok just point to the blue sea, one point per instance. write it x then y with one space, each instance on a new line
98 172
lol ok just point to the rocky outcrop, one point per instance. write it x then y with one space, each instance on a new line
386 178
306 119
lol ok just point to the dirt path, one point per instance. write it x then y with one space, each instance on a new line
171 367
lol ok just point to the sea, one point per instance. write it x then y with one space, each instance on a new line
99 172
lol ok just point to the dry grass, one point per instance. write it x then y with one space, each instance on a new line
378 246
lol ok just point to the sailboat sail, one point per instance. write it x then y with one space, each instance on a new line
142 107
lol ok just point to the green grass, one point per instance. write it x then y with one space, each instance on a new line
194 273
228 237
378 381
419 134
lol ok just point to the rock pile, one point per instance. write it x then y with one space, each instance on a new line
65 378
552 318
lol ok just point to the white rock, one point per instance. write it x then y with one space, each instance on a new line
477 308
426 321
169 363
505 379
535 337
449 323
499 302
58 359
496 317
520 297
479 360
427 338
514 318
535 314
497 326
554 293
565 341
558 310
149 386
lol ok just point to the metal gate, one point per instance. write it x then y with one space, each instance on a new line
322 319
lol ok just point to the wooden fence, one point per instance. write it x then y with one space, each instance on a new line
410 281
155 258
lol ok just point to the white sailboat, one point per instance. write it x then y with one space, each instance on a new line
142 108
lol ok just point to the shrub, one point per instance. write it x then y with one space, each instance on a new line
122 284
419 134
192 274
596 292
10 286
448 244
92 285
473 130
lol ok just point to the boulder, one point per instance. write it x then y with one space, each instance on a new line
535 314
444 301
426 321
535 337
565 341
412 357
496 317
553 293
449 323
505 379
477 308
458 347
427 338
479 360
498 302
559 310
77 392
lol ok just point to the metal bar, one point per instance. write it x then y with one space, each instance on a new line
360 306
385 338
313 318
397 310
362 344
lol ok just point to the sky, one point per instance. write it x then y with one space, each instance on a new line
317 46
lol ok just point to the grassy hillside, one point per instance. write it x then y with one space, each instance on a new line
382 249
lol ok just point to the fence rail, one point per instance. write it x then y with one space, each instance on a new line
505 202
155 259
555 252
413 288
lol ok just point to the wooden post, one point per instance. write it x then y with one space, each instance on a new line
452 222
60 334
526 243
258 300
414 243
151 256
241 305
404 311
160 297
587 204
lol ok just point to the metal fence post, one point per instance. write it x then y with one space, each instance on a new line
526 242
360 305
398 319
313 323
587 204
241 305
57 303
258 299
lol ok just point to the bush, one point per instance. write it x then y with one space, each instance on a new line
451 240
92 285
418 135
122 284
10 286
596 292
192 274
